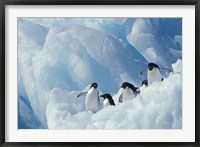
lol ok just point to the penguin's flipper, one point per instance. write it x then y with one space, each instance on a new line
82 94
121 98
112 102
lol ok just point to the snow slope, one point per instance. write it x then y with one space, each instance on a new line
65 55
158 106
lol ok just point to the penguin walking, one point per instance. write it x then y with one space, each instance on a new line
153 73
108 100
92 101
129 92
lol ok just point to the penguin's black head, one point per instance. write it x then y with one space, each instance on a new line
129 85
95 85
109 97
126 84
106 96
152 65
144 82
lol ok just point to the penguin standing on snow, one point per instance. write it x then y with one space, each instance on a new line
108 100
129 92
153 73
92 102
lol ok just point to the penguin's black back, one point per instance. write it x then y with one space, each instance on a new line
111 101
131 86
109 97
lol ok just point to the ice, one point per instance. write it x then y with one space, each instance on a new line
31 38
119 21
154 34
60 57
26 115
177 67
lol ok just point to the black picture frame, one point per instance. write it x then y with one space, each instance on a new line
4 3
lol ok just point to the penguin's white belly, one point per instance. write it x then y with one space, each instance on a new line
106 103
153 75
91 102
128 94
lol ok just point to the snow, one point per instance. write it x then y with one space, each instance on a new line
157 106
60 57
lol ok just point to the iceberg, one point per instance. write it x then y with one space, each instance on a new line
60 57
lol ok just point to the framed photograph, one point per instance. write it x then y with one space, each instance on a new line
101 73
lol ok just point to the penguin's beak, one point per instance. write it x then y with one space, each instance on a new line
122 87
102 96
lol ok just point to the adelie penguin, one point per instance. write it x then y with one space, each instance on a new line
144 82
153 73
129 92
108 100
92 101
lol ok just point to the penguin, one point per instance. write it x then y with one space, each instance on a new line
153 73
108 100
92 101
145 82
143 85
129 92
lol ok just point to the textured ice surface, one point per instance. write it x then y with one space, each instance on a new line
62 56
